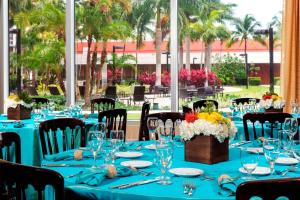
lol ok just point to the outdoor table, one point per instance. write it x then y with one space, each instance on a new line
31 152
204 189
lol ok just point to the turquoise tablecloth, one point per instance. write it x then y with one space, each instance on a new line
154 191
31 153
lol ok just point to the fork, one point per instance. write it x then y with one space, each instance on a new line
192 187
186 188
207 178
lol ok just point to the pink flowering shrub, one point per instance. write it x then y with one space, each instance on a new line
166 79
183 75
146 78
198 77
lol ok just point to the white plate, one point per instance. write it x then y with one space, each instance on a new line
8 121
129 154
60 116
261 171
136 163
286 161
255 150
150 146
187 172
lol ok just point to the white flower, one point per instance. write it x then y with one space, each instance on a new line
268 103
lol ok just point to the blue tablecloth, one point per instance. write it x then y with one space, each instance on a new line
31 152
154 191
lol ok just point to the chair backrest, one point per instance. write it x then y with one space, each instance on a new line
270 117
186 109
269 189
116 119
244 100
111 92
202 103
53 90
16 178
164 117
40 100
145 112
49 133
139 93
10 140
102 104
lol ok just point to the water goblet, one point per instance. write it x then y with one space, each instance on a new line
94 144
291 126
117 139
37 117
152 124
249 162
271 148
164 155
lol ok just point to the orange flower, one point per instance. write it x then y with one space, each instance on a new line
191 117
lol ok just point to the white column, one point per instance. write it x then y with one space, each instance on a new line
174 56
4 55
70 52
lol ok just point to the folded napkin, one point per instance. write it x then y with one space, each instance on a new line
69 155
259 141
94 177
227 185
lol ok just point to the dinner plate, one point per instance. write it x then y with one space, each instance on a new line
136 163
286 161
150 146
255 150
186 172
260 171
60 116
8 121
129 154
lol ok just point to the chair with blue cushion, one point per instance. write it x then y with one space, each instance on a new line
9 141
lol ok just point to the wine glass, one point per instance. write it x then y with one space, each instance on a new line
291 126
283 139
95 144
164 154
117 141
233 107
168 131
249 162
295 107
152 124
37 117
271 147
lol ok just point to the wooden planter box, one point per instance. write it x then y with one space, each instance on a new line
18 113
205 149
274 110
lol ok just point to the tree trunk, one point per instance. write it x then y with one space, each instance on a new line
93 68
136 63
87 73
207 56
201 56
158 43
187 52
103 60
59 75
181 56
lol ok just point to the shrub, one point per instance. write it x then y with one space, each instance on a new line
146 78
198 77
254 81
277 80
183 75
166 79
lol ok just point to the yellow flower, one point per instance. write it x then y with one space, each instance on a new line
203 115
14 98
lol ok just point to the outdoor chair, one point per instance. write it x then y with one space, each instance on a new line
138 94
40 100
53 90
102 104
69 131
186 109
244 100
203 103
164 117
32 91
269 189
145 112
10 142
184 95
111 92
16 178
116 119
204 92
270 120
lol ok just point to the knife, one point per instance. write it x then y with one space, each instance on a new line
128 185
240 143
65 165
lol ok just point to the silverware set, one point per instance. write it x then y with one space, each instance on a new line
188 187
142 172
137 183
207 178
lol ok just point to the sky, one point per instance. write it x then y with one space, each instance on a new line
262 10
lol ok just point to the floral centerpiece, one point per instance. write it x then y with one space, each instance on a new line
19 106
206 136
272 102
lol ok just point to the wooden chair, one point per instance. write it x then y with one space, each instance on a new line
32 91
271 117
40 100
138 94
102 104
244 100
111 92
269 189
116 119
10 140
186 109
49 134
202 103
15 179
145 112
164 117
53 90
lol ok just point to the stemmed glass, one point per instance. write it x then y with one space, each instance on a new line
271 147
117 141
249 162
291 126
152 124
233 107
37 117
95 142
295 107
164 154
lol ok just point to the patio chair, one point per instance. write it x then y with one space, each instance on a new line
40 100
11 143
145 112
111 92
273 119
53 90
186 109
69 131
244 100
269 189
202 103
16 178
102 104
138 94
184 95
164 117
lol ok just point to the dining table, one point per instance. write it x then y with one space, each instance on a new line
205 184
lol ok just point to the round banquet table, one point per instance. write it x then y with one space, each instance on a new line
204 189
